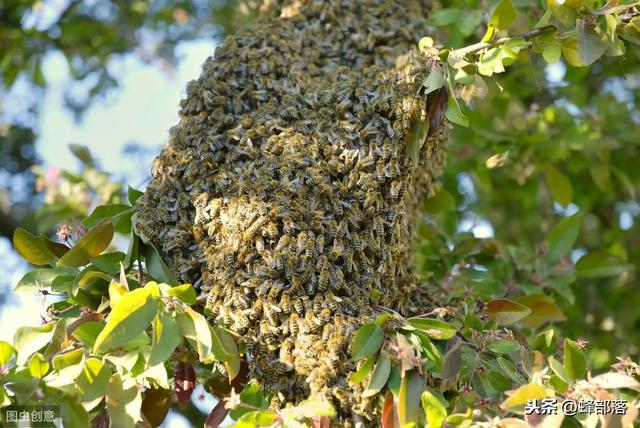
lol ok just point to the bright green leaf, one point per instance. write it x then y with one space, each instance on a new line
94 242
32 248
379 376
367 341
575 362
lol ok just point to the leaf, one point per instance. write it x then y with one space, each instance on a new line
155 405
559 370
363 371
7 352
559 185
562 237
133 195
314 407
498 381
73 414
379 376
503 346
435 410
389 412
411 388
507 312
28 340
552 53
435 329
417 135
157 268
184 292
166 337
601 264
38 278
124 401
223 346
104 211
32 248
109 262
520 396
252 396
93 380
130 317
38 366
83 154
88 332
94 242
367 341
431 352
185 382
217 415
441 201
575 362
592 42
454 113
195 328
543 310
503 16
434 81
615 380
545 342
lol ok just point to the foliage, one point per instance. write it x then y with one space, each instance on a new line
511 303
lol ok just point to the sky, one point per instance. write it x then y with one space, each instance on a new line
141 111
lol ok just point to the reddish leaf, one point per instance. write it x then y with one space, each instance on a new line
506 311
320 422
389 412
185 382
217 415
101 421
155 405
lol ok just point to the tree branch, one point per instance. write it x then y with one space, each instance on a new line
485 45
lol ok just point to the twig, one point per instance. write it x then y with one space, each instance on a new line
484 45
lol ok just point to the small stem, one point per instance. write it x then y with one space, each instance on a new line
484 45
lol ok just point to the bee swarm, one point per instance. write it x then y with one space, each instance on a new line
286 193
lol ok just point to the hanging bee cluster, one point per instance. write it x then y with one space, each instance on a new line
286 193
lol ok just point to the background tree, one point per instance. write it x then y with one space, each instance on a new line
539 205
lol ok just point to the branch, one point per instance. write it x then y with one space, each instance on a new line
484 45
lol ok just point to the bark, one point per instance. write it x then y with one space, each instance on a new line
286 193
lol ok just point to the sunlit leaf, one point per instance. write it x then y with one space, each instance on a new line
166 337
130 317
379 376
520 396
155 405
94 242
184 292
124 401
73 414
363 371
93 380
435 329
28 340
32 248
434 408
389 412
411 388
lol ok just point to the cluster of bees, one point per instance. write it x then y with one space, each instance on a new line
286 194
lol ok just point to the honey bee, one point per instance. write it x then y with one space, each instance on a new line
285 303
323 280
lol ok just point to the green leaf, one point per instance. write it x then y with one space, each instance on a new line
93 380
431 352
156 267
39 278
545 342
223 345
435 329
133 195
506 311
367 341
88 332
434 408
434 81
90 245
363 371
601 264
441 201
109 262
559 370
503 16
520 396
28 340
73 414
411 388
575 362
195 328
68 359
38 366
417 135
559 185
83 154
379 376
312 407
503 346
252 396
124 401
592 42
130 317
104 211
454 113
166 337
7 352
32 248
498 381
562 237
184 292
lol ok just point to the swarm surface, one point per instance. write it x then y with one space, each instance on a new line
286 193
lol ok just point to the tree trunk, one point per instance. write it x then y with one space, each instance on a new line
286 193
